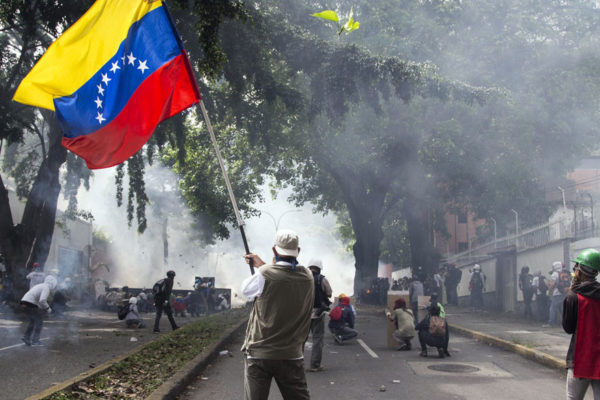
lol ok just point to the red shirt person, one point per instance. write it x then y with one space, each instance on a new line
581 318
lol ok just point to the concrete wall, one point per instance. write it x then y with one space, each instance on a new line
540 259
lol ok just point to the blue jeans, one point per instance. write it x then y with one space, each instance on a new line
556 309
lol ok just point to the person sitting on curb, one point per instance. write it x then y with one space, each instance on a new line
341 321
433 331
404 322
133 319
580 318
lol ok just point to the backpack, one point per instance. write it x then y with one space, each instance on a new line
321 300
157 289
123 311
476 281
336 313
437 326
564 282
526 283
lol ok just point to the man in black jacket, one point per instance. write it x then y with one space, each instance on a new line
162 300
581 318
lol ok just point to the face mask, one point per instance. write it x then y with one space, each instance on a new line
292 261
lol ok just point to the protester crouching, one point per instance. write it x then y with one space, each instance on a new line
433 331
341 321
133 319
404 323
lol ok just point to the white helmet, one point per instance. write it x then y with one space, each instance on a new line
316 262
133 300
556 266
476 267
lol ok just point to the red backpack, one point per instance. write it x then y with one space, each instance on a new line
336 313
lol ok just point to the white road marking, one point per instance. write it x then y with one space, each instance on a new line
367 349
20 344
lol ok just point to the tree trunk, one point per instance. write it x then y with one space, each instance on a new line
6 226
366 223
424 257
34 234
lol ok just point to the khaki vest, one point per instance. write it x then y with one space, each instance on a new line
280 319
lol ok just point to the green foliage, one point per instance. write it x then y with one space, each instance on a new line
330 15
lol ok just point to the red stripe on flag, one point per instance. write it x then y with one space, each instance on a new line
168 91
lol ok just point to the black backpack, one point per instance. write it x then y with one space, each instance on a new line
321 300
542 286
477 281
157 290
123 311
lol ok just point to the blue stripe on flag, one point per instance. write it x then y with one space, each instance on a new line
149 45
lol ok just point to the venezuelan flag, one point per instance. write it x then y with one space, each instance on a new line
111 78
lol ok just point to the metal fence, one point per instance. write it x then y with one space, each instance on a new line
529 239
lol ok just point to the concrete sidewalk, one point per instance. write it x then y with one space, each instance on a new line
546 345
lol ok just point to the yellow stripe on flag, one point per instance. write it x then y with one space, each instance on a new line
81 51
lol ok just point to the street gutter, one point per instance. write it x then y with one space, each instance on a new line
531 354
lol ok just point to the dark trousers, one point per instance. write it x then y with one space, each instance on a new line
476 298
527 298
541 301
452 295
427 339
36 322
345 333
159 310
289 376
317 328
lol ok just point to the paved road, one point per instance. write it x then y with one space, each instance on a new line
352 373
74 343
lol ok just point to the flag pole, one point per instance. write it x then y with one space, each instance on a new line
227 183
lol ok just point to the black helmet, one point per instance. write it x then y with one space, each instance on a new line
171 274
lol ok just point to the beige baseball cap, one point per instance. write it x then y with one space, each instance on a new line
286 243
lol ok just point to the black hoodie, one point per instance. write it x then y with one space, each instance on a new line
589 289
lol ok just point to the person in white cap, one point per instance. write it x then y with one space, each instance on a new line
279 323
133 319
317 322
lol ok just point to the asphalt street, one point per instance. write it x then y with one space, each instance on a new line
373 371
73 343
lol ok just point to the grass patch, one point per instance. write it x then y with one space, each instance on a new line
140 374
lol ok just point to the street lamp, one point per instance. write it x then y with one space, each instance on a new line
591 211
276 222
516 224
495 235
563 197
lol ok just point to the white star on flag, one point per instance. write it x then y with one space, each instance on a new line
143 67
98 102
115 66
100 89
105 79
131 59
100 118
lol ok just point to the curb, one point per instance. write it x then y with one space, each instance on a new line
531 354
177 383
84 375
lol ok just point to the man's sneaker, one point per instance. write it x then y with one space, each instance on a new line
37 343
315 369
440 352
338 339
26 341
156 330
423 353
